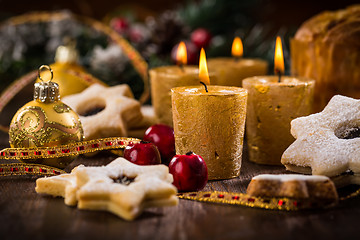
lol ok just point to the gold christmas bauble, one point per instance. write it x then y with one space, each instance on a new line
45 122
71 77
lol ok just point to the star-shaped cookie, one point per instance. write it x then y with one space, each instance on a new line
106 111
327 143
121 187
317 188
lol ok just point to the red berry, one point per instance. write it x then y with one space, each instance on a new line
192 53
143 153
138 33
119 24
163 137
189 172
201 37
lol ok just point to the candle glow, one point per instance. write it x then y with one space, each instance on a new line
203 70
181 54
237 48
279 67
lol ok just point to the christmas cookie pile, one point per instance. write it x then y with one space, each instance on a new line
120 187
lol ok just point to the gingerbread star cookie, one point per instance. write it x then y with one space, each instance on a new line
106 111
327 143
121 187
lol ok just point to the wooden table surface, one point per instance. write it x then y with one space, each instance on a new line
24 214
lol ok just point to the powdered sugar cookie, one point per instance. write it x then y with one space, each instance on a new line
120 187
63 185
312 187
327 143
106 111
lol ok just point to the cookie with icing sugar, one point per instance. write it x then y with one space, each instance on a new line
106 111
327 143
296 186
120 187
63 185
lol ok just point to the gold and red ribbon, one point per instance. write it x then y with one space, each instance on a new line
242 199
69 150
16 169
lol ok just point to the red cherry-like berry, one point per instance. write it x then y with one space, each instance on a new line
192 53
143 153
163 137
189 172
119 24
201 37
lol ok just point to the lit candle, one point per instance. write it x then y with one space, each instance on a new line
273 102
166 77
231 71
210 123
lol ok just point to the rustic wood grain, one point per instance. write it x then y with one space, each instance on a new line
27 215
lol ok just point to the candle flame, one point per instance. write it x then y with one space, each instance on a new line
279 58
203 70
237 47
181 54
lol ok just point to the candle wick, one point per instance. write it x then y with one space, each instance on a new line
237 58
279 74
181 65
206 89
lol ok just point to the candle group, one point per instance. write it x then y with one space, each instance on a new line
209 120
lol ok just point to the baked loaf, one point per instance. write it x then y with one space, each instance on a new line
327 48
318 188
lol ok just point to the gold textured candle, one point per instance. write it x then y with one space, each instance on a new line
271 107
273 102
231 71
211 124
162 80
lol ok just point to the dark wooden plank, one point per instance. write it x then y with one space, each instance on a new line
25 214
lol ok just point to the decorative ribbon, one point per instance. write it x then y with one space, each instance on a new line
68 150
28 169
243 199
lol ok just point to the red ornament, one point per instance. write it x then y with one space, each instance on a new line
192 53
143 153
119 24
201 37
189 172
163 137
